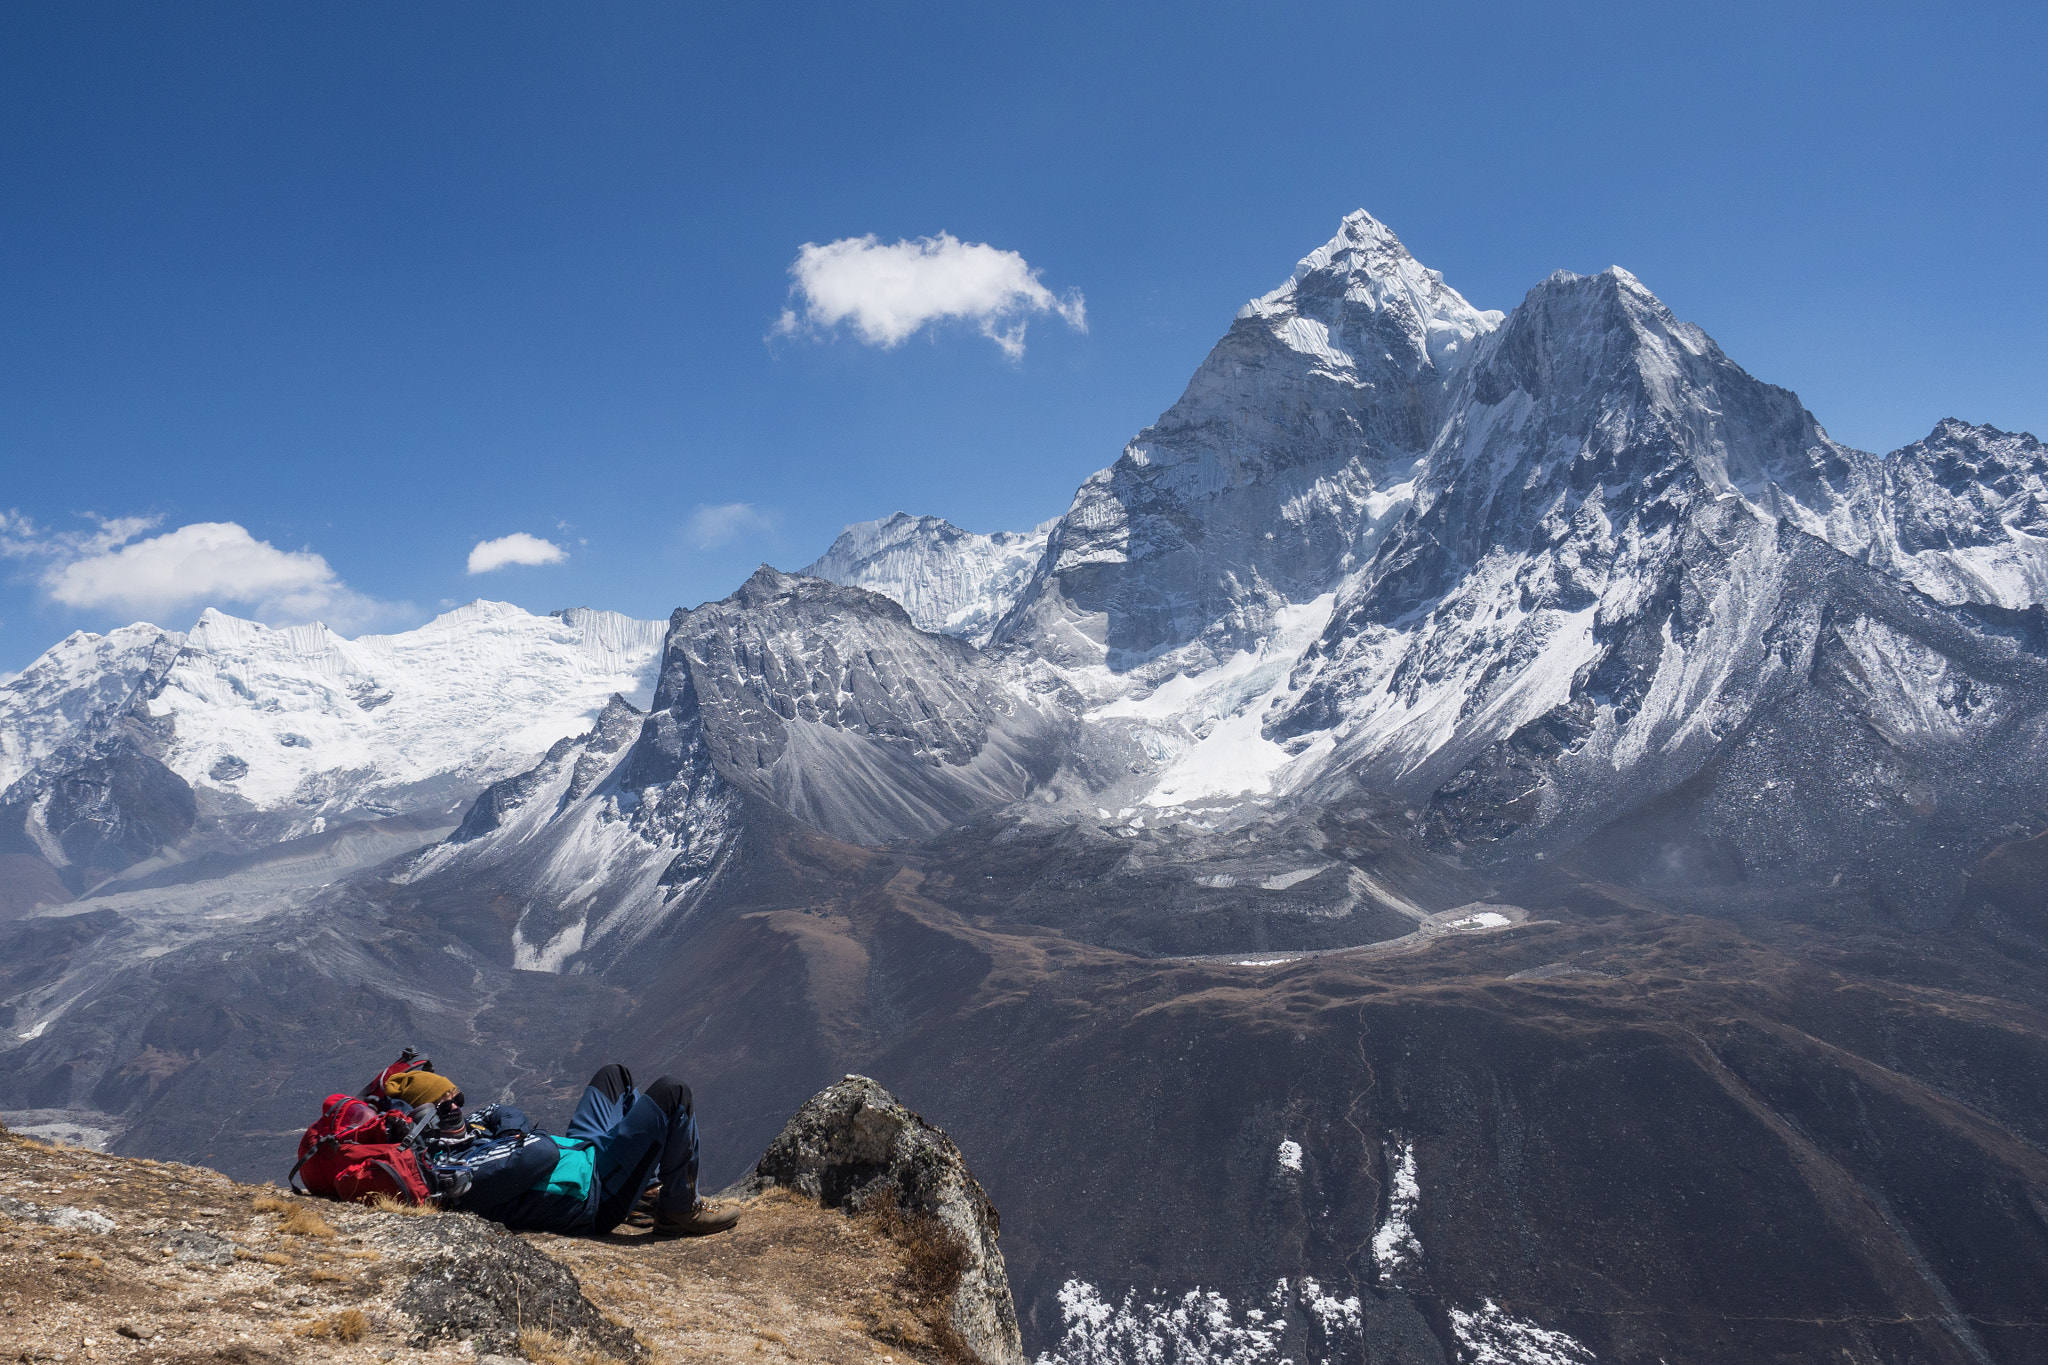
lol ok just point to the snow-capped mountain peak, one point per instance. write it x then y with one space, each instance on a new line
951 581
72 686
1362 289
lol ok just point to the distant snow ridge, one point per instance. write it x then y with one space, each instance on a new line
309 723
74 685
307 717
951 581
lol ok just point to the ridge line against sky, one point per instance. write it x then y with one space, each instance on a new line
338 314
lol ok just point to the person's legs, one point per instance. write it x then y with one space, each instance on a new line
656 1133
605 1101
679 1153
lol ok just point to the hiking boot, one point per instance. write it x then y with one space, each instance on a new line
696 1221
642 1215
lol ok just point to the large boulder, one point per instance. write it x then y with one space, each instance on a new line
854 1147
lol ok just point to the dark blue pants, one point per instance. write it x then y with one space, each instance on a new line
639 1135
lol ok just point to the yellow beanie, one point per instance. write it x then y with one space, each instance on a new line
420 1087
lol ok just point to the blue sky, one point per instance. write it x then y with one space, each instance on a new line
374 283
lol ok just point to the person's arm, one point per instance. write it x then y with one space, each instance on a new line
506 1168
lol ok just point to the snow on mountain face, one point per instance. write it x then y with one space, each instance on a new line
234 736
1628 564
609 835
1611 550
951 581
1578 444
1297 442
1969 516
307 720
828 703
798 695
73 686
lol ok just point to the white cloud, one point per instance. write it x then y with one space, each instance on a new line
517 548
888 292
711 527
207 563
21 538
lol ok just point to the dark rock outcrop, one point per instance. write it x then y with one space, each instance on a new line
852 1145
472 1281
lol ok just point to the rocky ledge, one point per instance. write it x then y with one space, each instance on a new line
864 1240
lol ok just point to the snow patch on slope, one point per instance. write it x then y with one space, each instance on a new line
1491 1336
1395 1244
1214 718
1204 1327
1200 1327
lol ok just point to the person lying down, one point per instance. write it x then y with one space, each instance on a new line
629 1156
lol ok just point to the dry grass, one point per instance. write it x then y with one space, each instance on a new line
304 1222
348 1326
545 1348
319 1276
919 1317
300 1220
95 1262
385 1203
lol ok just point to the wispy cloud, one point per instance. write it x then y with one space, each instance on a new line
206 563
710 527
517 548
21 538
886 293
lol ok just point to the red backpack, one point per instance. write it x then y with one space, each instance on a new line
354 1152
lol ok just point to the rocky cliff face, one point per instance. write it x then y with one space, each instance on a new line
853 1147
1965 519
792 699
